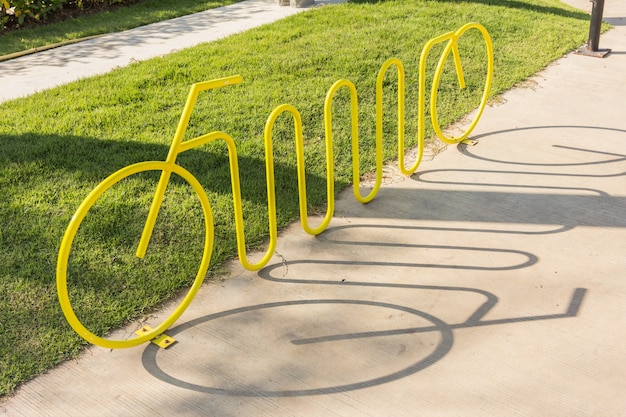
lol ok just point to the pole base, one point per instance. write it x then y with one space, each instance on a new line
600 53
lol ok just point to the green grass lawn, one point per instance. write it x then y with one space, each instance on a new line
55 146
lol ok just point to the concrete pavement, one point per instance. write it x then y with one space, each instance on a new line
491 283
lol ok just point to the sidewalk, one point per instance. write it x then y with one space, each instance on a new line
23 76
491 283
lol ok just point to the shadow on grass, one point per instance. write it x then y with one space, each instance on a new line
92 160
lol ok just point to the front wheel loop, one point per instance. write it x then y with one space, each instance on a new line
437 78
72 229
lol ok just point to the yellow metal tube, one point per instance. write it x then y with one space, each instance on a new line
328 130
379 118
175 149
453 46
72 229
179 145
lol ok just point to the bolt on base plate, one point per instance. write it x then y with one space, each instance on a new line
163 341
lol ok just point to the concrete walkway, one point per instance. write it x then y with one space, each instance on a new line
491 283
23 76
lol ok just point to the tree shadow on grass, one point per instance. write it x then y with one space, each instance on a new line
45 159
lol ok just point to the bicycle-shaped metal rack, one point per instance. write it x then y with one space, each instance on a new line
178 146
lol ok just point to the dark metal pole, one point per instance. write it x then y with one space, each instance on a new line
596 24
592 47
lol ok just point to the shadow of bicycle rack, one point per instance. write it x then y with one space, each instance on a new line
276 273
431 329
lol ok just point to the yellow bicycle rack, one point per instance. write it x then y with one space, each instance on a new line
178 146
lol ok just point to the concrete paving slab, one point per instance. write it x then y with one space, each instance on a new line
490 283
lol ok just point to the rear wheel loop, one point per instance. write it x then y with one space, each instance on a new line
72 229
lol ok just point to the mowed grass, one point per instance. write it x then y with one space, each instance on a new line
57 145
